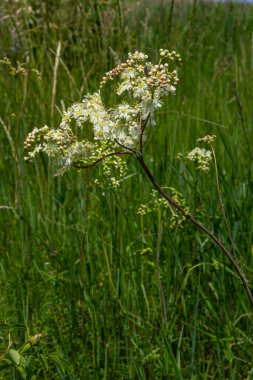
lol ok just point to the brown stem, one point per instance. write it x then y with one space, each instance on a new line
199 225
76 165
126 147
141 130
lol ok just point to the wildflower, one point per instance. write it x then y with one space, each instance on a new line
144 86
201 157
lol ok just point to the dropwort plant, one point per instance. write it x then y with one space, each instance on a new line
92 132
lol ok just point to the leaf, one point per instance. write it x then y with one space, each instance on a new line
4 366
15 356
22 361
5 361
60 362
22 372
44 359
33 377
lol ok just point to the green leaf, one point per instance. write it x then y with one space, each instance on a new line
5 361
60 362
44 360
22 361
22 372
15 356
33 377
26 348
4 366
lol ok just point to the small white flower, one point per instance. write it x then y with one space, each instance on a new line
201 157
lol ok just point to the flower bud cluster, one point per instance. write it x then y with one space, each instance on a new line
20 69
110 75
160 77
112 166
32 143
207 139
143 209
159 202
134 60
33 136
33 340
173 56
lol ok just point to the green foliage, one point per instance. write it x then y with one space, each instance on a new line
121 296
32 356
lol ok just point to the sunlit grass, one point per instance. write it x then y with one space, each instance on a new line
77 260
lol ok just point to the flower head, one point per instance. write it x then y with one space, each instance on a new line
201 157
90 128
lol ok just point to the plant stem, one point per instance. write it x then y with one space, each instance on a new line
221 202
240 117
80 166
158 272
197 224
171 17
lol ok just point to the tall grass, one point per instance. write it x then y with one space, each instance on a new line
124 296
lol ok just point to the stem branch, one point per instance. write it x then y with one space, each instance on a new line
198 225
76 165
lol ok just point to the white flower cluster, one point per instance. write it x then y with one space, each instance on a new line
146 83
60 144
142 86
201 157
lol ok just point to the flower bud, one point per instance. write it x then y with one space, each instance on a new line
33 340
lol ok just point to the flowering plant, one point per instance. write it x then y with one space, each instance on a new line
92 132
107 130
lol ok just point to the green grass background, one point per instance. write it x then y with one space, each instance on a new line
75 258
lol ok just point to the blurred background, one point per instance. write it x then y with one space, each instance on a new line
124 296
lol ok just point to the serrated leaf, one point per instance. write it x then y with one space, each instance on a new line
15 356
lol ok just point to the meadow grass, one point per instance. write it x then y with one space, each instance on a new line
124 296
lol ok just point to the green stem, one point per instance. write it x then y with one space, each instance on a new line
220 200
